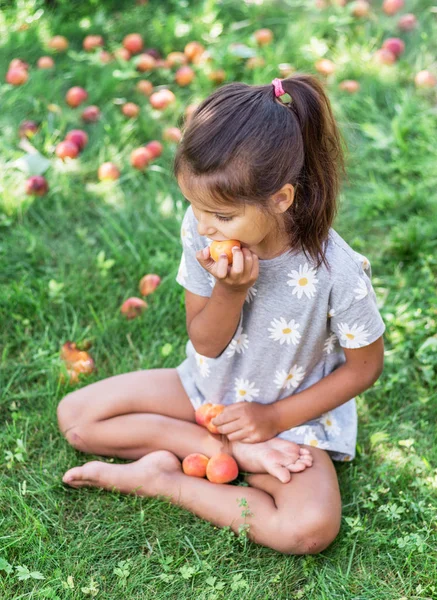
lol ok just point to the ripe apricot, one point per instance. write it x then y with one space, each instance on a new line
205 413
201 412
78 137
221 468
133 43
149 283
108 172
75 96
67 149
130 109
58 43
224 247
195 465
133 307
45 62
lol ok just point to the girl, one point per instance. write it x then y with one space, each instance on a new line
285 337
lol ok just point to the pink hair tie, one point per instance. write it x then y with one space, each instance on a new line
279 90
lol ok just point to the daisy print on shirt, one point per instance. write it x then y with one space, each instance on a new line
291 379
202 364
353 337
283 332
304 281
245 390
239 344
361 290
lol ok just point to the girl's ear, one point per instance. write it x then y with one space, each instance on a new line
283 199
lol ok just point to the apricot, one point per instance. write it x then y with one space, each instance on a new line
325 66
133 307
17 63
254 62
67 149
205 413
221 468
195 465
383 56
407 22
175 59
145 87
391 7
37 186
28 129
193 50
349 85
58 43
91 114
425 79
75 96
146 63
217 76
360 9
91 42
122 54
395 45
78 137
161 99
149 283
155 148
184 76
108 172
76 361
105 57
133 43
224 247
130 109
172 134
45 62
140 158
263 36
17 76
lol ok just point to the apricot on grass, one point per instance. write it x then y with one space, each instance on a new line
133 43
172 134
425 79
395 45
325 66
58 43
175 59
130 109
145 63
45 62
17 63
140 158
108 172
221 468
407 22
155 148
17 76
349 85
36 186
195 465
193 50
78 137
28 129
91 114
91 42
184 76
263 36
149 283
67 149
133 307
223 247
391 7
145 87
75 96
160 100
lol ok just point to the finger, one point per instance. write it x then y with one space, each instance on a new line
237 261
204 258
229 427
222 266
237 436
255 267
224 418
304 451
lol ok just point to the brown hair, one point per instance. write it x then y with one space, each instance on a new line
244 144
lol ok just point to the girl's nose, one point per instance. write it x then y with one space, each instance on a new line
203 228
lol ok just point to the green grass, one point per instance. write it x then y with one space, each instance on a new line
53 290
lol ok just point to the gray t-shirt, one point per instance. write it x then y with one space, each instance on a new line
293 325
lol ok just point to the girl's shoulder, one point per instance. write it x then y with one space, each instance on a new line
342 259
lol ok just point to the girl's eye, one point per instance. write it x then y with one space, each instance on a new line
223 218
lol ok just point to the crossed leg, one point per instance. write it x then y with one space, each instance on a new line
147 416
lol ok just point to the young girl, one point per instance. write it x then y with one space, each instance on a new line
285 337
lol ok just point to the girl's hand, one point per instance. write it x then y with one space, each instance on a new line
248 422
239 276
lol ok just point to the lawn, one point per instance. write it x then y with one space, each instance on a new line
71 257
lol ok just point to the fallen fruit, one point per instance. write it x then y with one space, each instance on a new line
384 57
67 149
77 361
91 42
195 465
133 43
78 137
145 63
217 76
91 114
122 54
75 96
155 148
263 36
184 75
172 134
395 45
223 247
130 109
17 76
133 307
360 9
175 59
407 22
108 172
193 50
160 100
325 66
149 283
58 43
221 468
140 158
28 129
37 186
349 85
425 79
45 62
17 63
391 7
105 57
145 87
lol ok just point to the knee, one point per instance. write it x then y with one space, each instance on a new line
68 414
309 534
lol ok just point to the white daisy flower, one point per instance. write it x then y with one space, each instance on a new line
244 390
291 379
202 364
311 439
330 344
251 293
186 236
183 272
284 332
330 424
361 290
303 281
331 312
353 337
239 343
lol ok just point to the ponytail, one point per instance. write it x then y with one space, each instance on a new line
317 185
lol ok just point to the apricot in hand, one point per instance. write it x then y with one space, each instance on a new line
224 247
205 413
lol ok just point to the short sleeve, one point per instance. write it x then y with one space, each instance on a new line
353 311
191 275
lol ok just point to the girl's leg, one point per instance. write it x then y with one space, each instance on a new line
131 415
299 517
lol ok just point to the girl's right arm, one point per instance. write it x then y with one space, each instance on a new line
211 328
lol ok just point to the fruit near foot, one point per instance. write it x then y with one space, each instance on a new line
144 477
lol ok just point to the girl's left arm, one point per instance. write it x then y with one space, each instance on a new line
362 368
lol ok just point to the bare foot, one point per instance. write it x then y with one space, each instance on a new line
278 457
143 477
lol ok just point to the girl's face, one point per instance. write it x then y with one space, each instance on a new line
248 224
